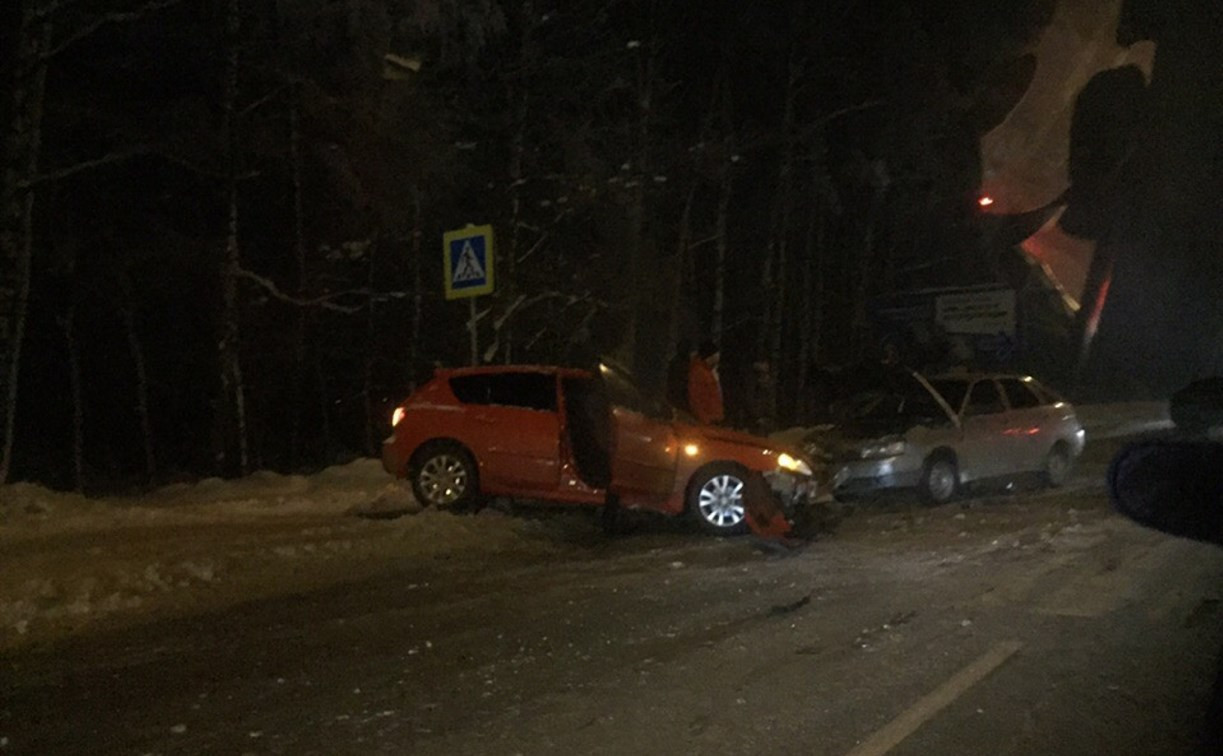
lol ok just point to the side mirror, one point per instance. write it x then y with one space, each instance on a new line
1172 485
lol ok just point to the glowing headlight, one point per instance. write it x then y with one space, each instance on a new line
692 450
786 462
397 416
877 451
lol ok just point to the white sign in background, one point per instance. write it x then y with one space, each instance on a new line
978 312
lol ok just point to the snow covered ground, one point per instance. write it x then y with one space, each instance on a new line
70 563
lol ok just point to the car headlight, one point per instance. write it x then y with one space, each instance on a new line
878 451
786 462
397 416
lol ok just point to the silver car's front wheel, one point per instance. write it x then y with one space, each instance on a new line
939 481
1057 466
444 476
717 500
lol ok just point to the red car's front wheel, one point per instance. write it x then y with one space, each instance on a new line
717 499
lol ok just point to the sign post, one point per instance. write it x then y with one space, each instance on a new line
467 260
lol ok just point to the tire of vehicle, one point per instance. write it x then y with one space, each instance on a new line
940 479
1057 465
717 501
613 518
444 475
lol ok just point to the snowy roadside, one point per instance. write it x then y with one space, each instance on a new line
68 563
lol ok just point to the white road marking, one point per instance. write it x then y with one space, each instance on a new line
894 732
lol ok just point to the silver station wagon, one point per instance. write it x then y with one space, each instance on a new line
937 434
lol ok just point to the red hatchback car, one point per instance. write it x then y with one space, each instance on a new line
566 435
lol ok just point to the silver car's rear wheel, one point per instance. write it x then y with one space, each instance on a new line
444 475
717 499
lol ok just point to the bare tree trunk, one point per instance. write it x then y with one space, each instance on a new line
680 268
22 146
806 318
646 73
812 318
418 284
324 405
142 392
233 392
299 254
866 261
719 287
371 345
777 293
521 103
68 323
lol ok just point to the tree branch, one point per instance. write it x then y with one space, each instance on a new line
274 291
116 17
194 167
50 9
70 170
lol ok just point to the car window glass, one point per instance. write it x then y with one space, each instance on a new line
984 399
953 391
1019 395
535 391
904 401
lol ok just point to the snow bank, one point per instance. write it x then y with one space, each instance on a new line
68 562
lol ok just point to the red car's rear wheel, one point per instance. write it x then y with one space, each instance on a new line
445 476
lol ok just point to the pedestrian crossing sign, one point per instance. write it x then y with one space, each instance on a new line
467 256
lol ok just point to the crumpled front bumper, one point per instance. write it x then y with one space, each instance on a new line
861 476
797 491
807 502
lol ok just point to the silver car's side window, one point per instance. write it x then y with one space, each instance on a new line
984 399
1019 395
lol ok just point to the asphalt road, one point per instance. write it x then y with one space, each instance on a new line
1024 623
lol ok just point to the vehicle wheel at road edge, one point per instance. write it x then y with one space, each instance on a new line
1057 465
613 518
940 479
717 499
445 476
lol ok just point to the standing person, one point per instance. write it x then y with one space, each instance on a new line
761 399
677 374
704 386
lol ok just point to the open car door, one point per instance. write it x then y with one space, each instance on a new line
644 448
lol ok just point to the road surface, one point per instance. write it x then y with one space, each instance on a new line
1029 622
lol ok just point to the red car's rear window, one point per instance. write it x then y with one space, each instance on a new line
527 390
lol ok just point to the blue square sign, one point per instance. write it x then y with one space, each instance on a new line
468 261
